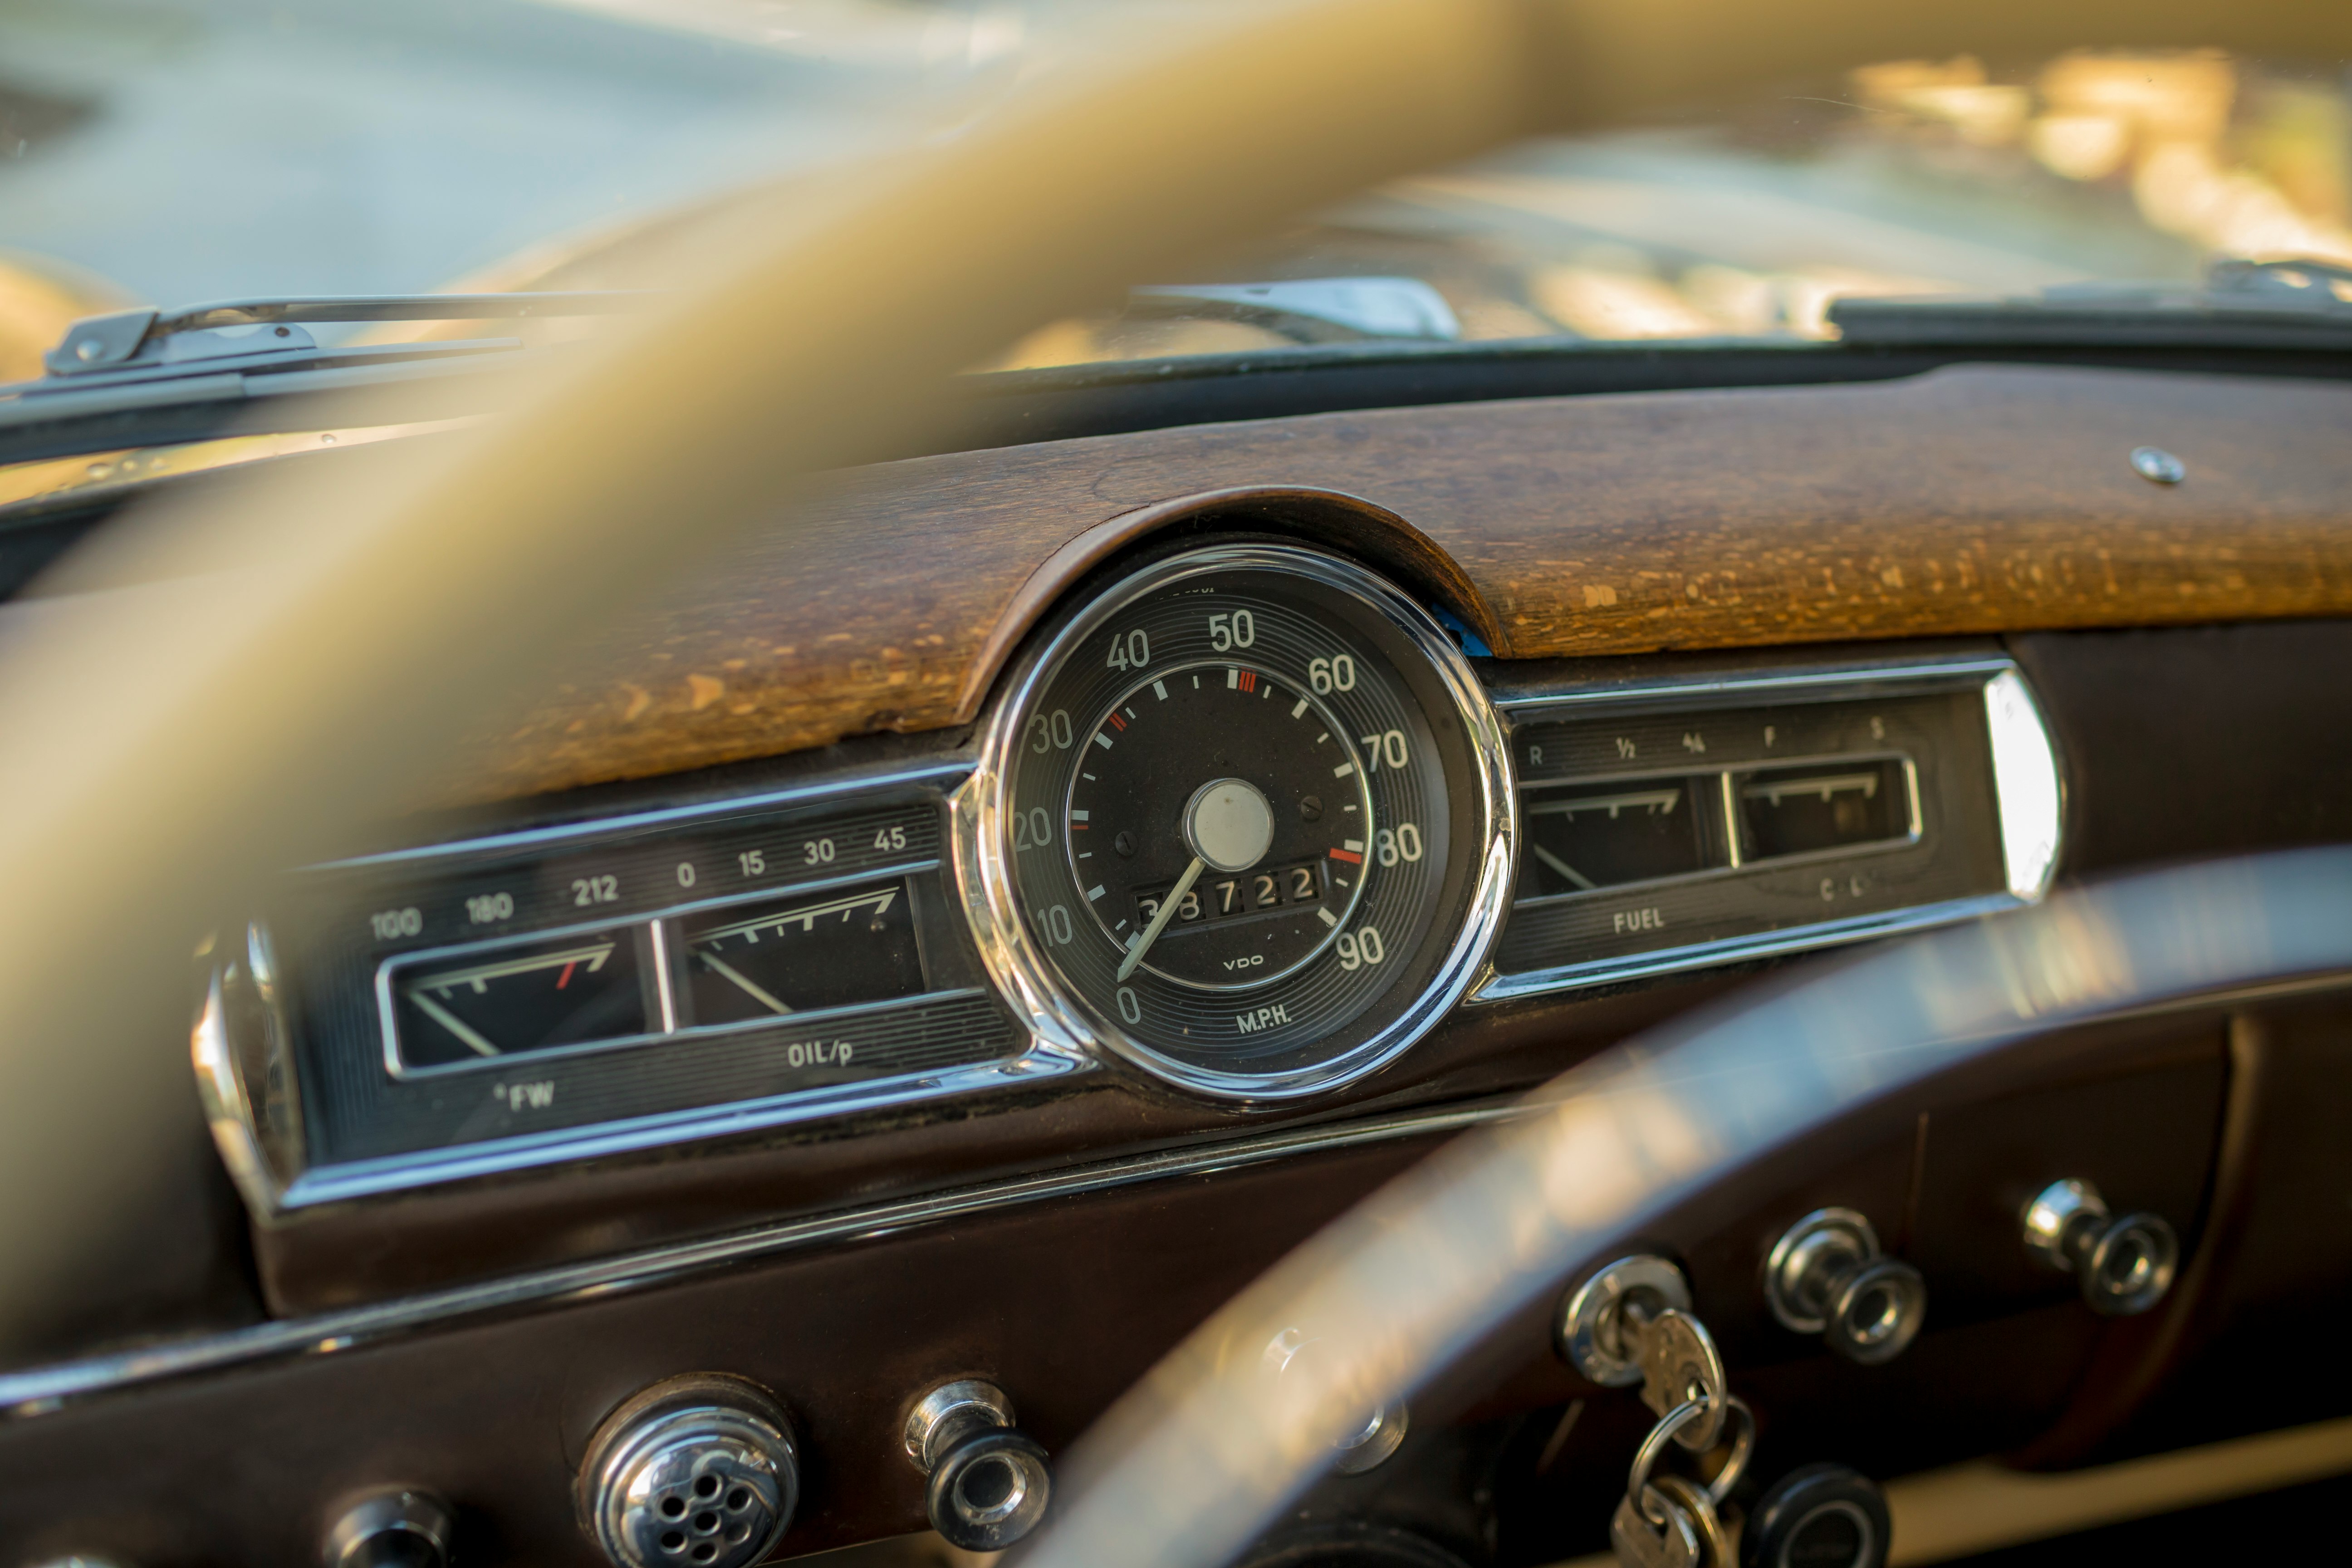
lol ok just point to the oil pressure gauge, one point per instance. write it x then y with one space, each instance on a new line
1243 822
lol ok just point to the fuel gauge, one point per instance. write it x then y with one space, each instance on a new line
533 997
1603 833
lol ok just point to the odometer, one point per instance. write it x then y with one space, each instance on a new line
1243 822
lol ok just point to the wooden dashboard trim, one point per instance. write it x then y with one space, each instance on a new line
1335 517
1973 500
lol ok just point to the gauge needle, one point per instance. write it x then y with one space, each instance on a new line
1160 921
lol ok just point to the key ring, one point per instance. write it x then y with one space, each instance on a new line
1728 1477
1645 1458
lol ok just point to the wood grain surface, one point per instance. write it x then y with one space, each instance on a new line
1974 499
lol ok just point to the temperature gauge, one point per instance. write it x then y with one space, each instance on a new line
1836 805
829 950
535 998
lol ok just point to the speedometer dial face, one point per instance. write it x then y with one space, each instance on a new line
1250 829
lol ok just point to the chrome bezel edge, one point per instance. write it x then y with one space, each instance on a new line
271 1197
984 871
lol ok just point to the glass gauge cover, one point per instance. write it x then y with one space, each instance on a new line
1243 822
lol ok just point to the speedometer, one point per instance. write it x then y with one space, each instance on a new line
1243 821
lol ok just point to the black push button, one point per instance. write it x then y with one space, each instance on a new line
1822 1516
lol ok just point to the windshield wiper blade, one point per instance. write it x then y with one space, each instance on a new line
2242 304
147 344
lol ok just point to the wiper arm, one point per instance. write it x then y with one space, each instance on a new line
147 377
2242 304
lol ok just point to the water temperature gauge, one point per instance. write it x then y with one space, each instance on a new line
534 997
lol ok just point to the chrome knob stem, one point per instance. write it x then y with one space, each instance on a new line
2125 1264
991 1482
1827 1276
398 1529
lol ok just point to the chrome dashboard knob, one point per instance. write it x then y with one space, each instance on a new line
397 1529
1826 1276
2125 1264
991 1482
695 1472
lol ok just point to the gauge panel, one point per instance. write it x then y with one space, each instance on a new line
460 1006
1243 824
1665 829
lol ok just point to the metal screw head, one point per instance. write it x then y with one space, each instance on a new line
88 349
2157 465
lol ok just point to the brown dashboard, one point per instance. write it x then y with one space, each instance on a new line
1856 660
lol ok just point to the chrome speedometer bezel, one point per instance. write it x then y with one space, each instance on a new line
1016 960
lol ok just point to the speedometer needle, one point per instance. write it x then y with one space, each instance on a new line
1160 921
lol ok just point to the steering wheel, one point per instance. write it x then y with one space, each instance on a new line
304 655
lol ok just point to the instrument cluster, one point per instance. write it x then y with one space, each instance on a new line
1243 825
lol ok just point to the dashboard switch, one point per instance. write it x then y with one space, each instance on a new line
2125 1264
696 1472
1822 1516
392 1529
1826 1276
990 1481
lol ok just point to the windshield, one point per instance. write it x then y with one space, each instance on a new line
167 151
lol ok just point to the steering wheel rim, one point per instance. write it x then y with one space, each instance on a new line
1207 1450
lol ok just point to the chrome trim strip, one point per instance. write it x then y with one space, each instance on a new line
1061 1021
397 1173
1820 685
1739 948
2026 787
39 1390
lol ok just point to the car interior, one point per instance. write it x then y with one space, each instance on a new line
1403 784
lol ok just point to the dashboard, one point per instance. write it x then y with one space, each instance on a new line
971 943
1246 821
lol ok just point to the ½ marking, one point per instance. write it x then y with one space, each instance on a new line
1078 816
1102 739
1295 712
1094 892
1160 689
1355 844
1329 918
1342 770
